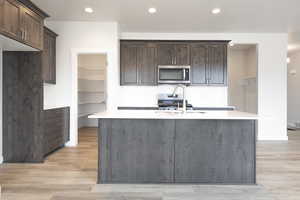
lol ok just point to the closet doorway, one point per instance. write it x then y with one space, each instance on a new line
92 91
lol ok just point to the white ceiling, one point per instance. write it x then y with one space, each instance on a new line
183 15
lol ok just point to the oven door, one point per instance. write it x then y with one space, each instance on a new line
173 75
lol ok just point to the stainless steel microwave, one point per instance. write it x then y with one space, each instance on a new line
174 74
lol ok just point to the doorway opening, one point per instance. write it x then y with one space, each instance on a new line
243 74
92 92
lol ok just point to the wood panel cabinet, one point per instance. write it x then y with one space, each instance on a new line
32 28
144 151
199 64
147 65
22 107
173 54
217 64
56 128
23 21
10 11
140 59
129 64
138 64
209 63
49 56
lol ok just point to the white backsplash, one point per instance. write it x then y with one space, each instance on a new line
144 96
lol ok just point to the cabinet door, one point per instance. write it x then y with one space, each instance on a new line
147 64
215 151
166 54
182 54
144 153
217 64
49 57
198 63
129 64
32 25
52 60
10 18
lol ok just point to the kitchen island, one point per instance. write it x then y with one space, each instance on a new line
146 146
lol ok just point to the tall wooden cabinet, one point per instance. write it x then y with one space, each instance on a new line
23 21
49 56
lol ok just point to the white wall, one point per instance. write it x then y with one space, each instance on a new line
1 120
272 80
142 96
75 38
293 88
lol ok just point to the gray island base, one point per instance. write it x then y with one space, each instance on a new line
198 151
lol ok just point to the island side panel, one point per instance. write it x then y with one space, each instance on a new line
215 151
104 144
140 151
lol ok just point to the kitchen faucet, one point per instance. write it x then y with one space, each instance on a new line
183 93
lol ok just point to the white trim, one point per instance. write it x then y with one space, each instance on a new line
74 89
273 138
1 159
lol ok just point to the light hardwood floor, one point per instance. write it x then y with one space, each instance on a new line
74 170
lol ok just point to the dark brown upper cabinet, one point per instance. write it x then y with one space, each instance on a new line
140 59
147 64
199 64
23 21
49 56
138 63
209 63
217 64
173 54
129 64
32 28
10 11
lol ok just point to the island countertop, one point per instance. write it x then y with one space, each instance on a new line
158 114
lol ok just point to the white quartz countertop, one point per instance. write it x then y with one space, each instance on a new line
157 114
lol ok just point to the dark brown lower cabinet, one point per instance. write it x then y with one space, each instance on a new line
56 129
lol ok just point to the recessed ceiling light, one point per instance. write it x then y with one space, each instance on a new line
216 11
88 10
152 10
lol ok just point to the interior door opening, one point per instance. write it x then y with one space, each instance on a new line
243 74
91 91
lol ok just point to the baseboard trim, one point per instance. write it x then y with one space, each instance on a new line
273 139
